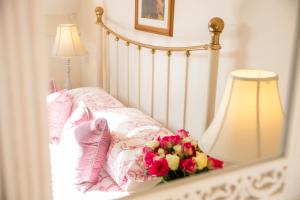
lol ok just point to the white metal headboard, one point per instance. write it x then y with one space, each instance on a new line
215 27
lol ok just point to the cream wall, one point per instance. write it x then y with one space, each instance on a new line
90 38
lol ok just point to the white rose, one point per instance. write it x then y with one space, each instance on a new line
152 144
157 157
173 161
187 139
161 152
178 149
201 160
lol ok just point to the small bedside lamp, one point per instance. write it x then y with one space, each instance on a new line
67 45
249 122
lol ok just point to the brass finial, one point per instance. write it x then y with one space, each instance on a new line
153 51
169 53
99 12
188 53
215 27
127 43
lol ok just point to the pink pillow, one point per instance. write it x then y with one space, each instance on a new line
59 110
52 87
84 150
81 114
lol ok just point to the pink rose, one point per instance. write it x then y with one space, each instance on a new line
183 133
146 150
149 156
175 139
214 163
188 165
159 168
166 142
188 149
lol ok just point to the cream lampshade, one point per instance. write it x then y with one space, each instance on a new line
248 124
67 45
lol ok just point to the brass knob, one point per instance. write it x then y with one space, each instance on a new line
99 11
215 27
216 24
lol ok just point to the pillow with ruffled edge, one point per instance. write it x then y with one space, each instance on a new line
81 114
83 152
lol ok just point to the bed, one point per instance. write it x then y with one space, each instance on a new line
131 121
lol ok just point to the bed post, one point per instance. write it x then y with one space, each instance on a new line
102 72
215 27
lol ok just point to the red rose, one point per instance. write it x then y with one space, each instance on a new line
159 168
183 133
188 165
188 149
158 139
214 163
149 158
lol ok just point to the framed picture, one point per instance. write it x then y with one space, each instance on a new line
155 16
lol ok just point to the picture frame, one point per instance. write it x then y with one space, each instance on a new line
155 16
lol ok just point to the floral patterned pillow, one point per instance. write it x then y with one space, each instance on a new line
94 98
130 130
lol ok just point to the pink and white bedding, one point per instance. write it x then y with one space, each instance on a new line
94 98
124 170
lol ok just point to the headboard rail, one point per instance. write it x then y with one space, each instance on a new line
215 27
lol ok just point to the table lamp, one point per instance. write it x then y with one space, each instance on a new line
67 45
249 122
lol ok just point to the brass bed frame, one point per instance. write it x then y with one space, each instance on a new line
215 27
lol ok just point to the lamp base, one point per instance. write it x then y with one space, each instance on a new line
67 68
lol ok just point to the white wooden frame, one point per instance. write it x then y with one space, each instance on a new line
19 83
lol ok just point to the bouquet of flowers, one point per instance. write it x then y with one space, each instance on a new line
177 156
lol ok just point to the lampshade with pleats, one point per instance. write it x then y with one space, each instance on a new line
67 42
248 124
